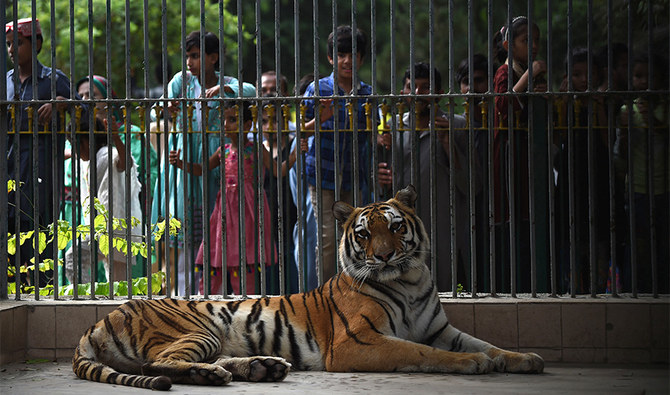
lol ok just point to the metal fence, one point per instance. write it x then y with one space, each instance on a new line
536 184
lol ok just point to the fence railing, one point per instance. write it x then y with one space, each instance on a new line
529 182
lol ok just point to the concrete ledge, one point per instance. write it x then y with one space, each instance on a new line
578 330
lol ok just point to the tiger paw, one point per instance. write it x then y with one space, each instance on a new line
210 375
514 362
268 369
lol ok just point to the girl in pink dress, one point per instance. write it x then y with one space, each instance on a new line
229 156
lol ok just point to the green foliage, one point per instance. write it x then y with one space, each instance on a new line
73 17
100 232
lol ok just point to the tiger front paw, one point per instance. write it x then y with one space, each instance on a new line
514 362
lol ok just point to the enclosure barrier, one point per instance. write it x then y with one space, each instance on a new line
558 192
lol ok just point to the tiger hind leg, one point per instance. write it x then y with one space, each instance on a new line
256 368
186 361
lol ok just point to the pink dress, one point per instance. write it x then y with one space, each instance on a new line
232 227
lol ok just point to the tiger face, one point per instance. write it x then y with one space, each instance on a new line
382 241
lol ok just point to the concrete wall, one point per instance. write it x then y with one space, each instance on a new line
605 330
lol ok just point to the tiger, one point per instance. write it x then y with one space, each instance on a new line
380 313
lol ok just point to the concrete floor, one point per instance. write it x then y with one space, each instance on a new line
57 378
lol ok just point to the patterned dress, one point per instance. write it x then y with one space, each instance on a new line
232 230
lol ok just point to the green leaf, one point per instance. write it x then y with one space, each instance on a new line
11 288
103 244
120 288
157 282
102 288
11 244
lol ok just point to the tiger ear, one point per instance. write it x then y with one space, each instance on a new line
407 196
342 211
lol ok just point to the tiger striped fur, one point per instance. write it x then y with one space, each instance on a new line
380 314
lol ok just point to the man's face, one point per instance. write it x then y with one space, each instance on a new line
21 53
268 84
421 87
480 83
345 64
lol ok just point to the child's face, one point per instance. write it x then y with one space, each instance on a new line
230 123
480 82
345 64
580 76
21 53
193 61
640 76
520 45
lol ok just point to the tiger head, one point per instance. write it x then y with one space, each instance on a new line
382 241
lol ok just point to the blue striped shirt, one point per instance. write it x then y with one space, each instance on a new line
327 151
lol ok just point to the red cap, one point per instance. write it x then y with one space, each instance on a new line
24 27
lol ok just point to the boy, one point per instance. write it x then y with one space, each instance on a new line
402 143
20 160
344 61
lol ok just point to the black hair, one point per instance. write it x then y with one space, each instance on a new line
344 34
302 85
616 49
518 26
245 108
479 63
211 43
422 70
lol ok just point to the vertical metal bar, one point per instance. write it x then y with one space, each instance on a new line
56 170
550 164
280 145
166 145
471 157
571 163
590 146
354 176
414 158
651 101
531 162
373 83
127 115
259 141
490 154
631 195
240 163
394 112
76 264
36 159
317 144
511 168
610 157
336 117
204 159
186 138
146 149
110 144
299 157
452 154
432 145
222 176
16 143
4 199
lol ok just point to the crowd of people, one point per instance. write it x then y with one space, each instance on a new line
609 160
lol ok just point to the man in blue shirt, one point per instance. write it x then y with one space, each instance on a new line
49 170
347 64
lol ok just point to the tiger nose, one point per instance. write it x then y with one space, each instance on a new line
384 255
